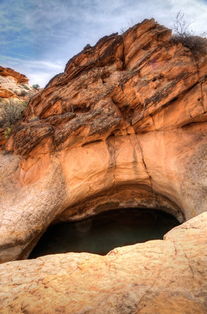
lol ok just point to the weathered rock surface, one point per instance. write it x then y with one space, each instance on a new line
14 85
138 82
15 93
162 276
19 78
123 126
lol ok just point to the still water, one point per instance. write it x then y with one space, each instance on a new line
101 233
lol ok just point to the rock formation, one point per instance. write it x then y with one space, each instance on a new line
15 85
161 276
18 77
123 126
15 93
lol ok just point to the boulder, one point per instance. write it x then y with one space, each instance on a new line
161 276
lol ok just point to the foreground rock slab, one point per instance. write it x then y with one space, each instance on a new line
162 276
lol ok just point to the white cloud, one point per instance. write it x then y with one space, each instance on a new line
38 71
41 77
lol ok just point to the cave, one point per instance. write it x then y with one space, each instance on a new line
103 232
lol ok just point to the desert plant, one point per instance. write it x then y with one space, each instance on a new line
35 86
182 34
7 132
26 86
11 113
181 28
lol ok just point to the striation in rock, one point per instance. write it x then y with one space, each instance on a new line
18 77
14 85
123 126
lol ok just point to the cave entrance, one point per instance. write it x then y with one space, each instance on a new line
101 233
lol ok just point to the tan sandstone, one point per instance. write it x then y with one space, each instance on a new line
124 126
161 276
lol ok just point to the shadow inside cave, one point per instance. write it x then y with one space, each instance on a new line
101 233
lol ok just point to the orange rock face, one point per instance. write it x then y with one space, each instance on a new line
20 78
123 126
138 82
14 85
4 93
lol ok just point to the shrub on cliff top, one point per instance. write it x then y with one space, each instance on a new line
36 86
196 44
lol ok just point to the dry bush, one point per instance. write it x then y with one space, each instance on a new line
196 44
36 86
11 113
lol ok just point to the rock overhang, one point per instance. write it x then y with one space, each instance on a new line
124 124
128 113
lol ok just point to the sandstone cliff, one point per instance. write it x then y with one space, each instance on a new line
138 82
123 126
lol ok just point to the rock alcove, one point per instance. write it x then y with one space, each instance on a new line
123 127
104 232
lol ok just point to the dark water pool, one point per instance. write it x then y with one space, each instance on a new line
102 233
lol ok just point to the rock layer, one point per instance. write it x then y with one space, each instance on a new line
138 82
15 93
14 84
162 276
19 78
123 126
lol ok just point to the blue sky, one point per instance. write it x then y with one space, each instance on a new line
38 37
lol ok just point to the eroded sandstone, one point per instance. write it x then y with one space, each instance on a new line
15 93
123 126
14 85
161 276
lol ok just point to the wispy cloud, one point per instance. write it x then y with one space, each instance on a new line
38 71
42 35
